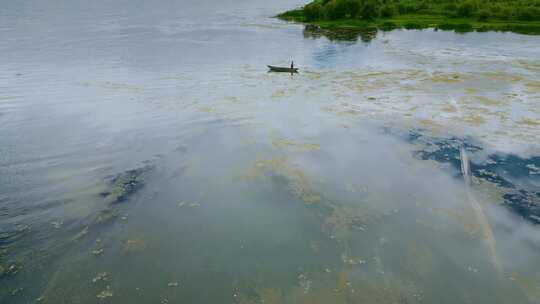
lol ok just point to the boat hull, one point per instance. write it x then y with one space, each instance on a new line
282 69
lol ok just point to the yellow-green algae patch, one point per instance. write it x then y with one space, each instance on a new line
133 245
474 119
335 288
131 88
471 90
430 123
533 86
448 78
502 76
449 108
346 220
487 101
529 122
206 109
289 143
299 184
282 93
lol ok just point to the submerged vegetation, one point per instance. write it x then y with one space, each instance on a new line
459 15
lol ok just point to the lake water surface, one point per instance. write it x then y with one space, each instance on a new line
147 156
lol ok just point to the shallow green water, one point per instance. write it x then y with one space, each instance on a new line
147 156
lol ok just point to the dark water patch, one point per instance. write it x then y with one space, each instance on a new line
10 239
445 150
517 176
514 166
29 248
13 235
524 204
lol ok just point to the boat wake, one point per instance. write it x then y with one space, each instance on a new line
480 215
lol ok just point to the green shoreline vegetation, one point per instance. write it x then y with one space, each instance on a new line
520 16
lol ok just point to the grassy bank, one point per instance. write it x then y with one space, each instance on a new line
460 16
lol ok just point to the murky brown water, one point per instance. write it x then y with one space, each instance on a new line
147 156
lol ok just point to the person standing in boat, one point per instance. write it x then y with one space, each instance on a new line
292 64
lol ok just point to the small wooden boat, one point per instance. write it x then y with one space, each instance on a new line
282 69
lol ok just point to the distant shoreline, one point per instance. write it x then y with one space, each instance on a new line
320 19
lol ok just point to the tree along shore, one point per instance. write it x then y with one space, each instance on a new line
521 16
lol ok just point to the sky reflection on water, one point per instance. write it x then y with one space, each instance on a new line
147 155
